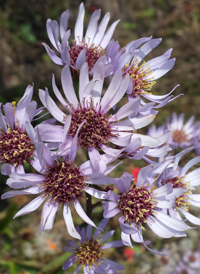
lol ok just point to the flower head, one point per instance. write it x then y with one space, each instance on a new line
181 134
192 258
143 203
89 253
142 74
184 181
16 147
100 127
60 182
85 48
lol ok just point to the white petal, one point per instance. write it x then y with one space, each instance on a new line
68 87
95 193
30 207
78 30
82 213
69 222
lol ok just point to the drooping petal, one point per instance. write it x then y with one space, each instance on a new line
46 212
51 217
30 207
171 222
57 60
126 228
160 229
69 222
95 193
126 240
82 213
190 217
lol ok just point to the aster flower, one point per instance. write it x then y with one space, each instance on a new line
88 48
182 180
182 268
142 75
192 258
60 182
16 147
100 126
89 253
181 134
143 203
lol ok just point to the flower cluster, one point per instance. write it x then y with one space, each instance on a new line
92 118
181 135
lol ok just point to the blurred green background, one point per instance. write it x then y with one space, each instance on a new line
23 61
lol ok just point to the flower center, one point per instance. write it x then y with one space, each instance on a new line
89 253
184 272
140 77
95 131
93 53
137 204
64 182
183 200
192 258
16 147
179 136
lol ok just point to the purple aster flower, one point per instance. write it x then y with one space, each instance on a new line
182 180
181 134
181 268
100 126
88 48
89 253
192 258
143 203
16 147
142 75
60 182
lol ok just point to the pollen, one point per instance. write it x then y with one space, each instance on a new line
140 76
137 204
16 147
64 182
182 201
89 253
95 131
93 53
